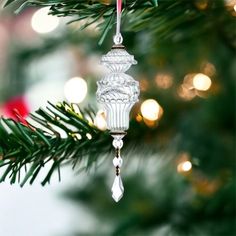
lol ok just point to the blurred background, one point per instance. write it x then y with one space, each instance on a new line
179 171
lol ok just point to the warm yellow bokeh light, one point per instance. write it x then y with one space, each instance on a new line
75 90
139 118
208 69
143 83
150 109
201 82
188 81
185 93
164 81
43 23
184 166
100 120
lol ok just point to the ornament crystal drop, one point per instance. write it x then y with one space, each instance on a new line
117 189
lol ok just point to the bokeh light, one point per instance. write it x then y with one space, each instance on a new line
184 166
43 23
201 4
231 6
201 82
164 81
75 90
100 120
150 109
208 69
143 83
139 118
188 81
185 93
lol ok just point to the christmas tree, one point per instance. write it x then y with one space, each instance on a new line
179 154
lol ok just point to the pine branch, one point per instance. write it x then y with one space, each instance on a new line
80 7
41 142
90 11
176 20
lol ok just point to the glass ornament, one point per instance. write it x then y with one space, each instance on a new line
117 92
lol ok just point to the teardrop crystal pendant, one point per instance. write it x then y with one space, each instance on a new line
117 189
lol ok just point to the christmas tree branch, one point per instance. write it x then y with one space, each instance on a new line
100 12
175 20
61 134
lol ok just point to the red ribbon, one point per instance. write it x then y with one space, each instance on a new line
119 6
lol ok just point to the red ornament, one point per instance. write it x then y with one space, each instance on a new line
16 105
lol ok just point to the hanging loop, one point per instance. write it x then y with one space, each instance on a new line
118 39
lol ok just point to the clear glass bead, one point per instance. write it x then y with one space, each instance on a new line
117 162
117 143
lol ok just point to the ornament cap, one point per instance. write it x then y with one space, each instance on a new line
118 46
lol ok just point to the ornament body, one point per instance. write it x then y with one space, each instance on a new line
117 91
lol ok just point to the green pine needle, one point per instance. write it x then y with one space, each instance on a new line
91 11
40 141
